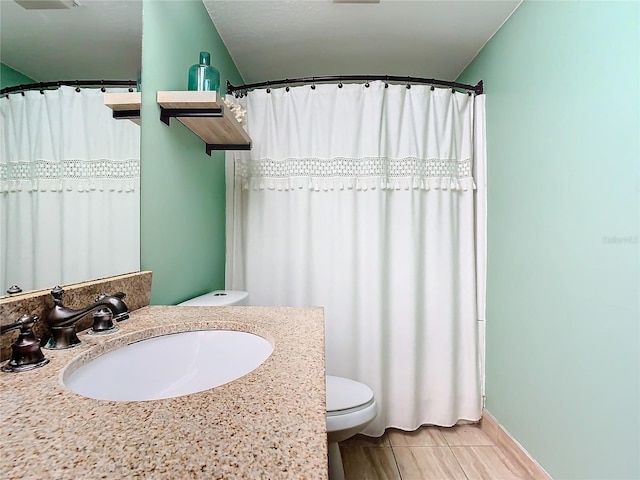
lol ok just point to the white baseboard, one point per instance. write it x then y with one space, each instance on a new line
511 448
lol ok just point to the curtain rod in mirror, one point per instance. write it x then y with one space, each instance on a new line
69 83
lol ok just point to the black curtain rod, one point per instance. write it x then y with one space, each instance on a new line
70 83
477 89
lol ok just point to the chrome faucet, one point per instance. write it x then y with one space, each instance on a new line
25 351
62 320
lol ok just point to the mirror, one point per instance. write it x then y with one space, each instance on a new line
54 40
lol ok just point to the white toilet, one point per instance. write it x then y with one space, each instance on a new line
219 298
350 404
350 408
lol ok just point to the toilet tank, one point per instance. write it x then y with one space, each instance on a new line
218 298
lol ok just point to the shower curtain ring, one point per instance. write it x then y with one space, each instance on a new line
102 89
77 87
268 87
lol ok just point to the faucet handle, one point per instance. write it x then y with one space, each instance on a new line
119 295
103 318
13 289
103 321
24 323
25 351
57 293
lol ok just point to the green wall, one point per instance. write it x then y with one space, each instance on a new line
182 189
563 340
10 77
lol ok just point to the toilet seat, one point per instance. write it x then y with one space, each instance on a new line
350 408
345 396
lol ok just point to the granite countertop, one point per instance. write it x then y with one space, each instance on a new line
269 424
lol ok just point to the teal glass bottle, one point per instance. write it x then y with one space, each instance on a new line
203 76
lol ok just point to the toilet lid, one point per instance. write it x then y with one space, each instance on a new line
344 393
216 298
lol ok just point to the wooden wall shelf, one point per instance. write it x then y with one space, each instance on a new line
204 114
124 105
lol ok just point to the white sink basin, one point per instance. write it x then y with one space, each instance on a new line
170 365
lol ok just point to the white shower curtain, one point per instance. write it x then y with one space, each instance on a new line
362 200
69 189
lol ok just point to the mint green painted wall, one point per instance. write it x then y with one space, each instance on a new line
10 77
563 340
182 188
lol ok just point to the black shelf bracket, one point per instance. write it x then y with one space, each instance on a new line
167 113
126 114
211 147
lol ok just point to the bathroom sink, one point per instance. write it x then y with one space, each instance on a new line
169 366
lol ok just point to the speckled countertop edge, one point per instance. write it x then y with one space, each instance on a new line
268 424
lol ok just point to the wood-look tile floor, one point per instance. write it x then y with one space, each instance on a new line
462 452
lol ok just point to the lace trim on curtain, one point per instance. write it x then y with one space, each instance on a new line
355 173
80 175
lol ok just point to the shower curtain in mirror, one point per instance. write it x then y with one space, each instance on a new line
362 200
69 189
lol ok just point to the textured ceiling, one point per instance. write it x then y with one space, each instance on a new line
275 39
268 39
100 39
